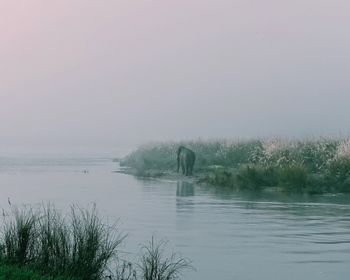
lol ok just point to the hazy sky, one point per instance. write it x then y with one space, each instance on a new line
109 73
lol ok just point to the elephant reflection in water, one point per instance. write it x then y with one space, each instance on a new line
184 189
186 159
184 202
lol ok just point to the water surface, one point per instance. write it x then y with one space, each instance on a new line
227 235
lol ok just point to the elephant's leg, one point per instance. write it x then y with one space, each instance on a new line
183 167
190 169
186 169
188 166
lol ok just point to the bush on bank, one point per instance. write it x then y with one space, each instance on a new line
312 166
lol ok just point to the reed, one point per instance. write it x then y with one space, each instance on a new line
155 264
79 246
45 244
314 165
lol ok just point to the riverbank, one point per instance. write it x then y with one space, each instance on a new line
312 166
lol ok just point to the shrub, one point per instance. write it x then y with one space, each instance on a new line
159 156
54 242
293 178
316 155
19 237
93 244
312 165
154 264
340 167
80 247
36 244
338 176
256 177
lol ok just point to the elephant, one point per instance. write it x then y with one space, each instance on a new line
185 158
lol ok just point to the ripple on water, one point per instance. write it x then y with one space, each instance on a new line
227 235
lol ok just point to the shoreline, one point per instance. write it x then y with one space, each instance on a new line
293 166
198 178
158 175
221 177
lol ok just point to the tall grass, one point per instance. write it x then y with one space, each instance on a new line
19 237
79 246
291 165
94 243
162 156
154 264
315 154
55 242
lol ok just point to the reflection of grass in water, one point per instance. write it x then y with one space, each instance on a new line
76 247
313 166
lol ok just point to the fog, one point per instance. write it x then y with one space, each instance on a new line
103 75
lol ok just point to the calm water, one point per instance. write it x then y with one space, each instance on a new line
227 235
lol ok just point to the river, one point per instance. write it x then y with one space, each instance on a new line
227 235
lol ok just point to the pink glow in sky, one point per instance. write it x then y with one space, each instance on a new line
118 73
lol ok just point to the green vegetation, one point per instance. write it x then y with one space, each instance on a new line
153 264
8 272
306 166
44 244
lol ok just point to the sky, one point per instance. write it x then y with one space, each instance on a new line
109 74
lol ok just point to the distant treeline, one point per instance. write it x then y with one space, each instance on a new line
313 166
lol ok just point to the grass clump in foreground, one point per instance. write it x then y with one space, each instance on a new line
8 272
153 264
311 166
44 244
